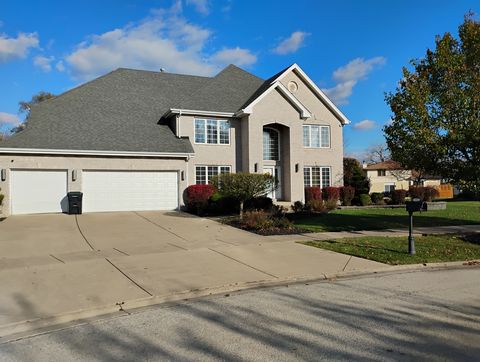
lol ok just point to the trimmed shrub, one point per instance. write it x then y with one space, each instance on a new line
259 203
331 193
298 206
197 196
365 199
430 193
312 193
347 193
264 222
377 198
398 197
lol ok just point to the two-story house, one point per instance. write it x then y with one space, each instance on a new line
134 140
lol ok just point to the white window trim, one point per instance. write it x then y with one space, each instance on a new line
206 171
388 184
321 178
320 135
218 132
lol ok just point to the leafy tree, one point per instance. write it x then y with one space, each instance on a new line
243 186
435 126
26 106
355 176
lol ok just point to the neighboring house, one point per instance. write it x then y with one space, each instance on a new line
134 140
389 175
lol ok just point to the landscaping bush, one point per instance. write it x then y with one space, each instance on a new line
416 192
1 199
315 206
196 198
398 197
259 203
331 204
365 200
312 193
430 193
219 205
347 193
331 193
298 206
377 198
264 222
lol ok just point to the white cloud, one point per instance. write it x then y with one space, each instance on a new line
60 66
238 56
291 44
364 125
44 63
202 6
163 40
349 75
9 119
16 48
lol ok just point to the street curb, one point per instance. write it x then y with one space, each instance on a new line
30 328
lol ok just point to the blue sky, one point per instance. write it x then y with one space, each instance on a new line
352 49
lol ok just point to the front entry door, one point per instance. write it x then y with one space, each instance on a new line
275 194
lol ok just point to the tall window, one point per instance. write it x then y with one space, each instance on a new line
212 131
381 173
204 174
270 144
316 176
316 136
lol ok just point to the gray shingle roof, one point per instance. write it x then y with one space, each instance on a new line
120 111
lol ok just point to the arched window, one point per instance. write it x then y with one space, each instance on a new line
271 144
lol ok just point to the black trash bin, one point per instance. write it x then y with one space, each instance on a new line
74 202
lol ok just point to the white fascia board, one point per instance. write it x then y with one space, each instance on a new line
194 112
39 151
304 112
317 91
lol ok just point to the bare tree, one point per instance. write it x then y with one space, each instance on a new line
26 106
377 153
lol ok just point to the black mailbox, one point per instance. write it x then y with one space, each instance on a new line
414 205
74 202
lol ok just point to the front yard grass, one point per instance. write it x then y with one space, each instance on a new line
394 250
457 213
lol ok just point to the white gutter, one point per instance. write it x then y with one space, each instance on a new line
198 113
95 153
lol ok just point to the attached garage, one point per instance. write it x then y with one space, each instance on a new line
38 191
129 190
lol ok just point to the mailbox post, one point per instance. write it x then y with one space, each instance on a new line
411 207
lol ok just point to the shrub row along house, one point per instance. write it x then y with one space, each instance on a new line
134 140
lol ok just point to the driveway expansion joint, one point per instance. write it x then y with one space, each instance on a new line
129 278
160 226
81 233
241 262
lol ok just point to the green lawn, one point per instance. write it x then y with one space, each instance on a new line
457 213
394 250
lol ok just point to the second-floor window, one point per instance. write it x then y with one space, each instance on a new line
212 131
316 136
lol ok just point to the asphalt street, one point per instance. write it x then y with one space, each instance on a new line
423 315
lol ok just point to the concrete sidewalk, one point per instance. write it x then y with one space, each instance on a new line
435 230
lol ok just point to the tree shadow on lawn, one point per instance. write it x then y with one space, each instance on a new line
355 222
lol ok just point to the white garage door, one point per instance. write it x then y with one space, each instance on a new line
129 190
38 191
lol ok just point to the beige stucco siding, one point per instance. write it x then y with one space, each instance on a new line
36 162
275 109
213 154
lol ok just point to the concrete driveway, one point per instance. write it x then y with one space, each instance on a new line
65 265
